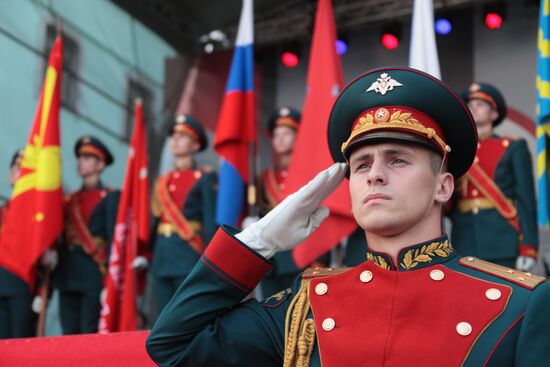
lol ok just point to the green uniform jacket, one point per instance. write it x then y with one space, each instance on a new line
484 233
173 256
76 270
434 308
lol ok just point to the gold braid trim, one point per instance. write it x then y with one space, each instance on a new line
378 260
305 343
397 120
426 254
296 330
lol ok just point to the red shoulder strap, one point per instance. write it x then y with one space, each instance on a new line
481 180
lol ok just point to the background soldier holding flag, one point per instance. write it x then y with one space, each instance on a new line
90 217
16 317
35 218
183 204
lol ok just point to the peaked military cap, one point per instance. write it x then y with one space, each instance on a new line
403 104
284 116
93 146
190 126
489 94
17 156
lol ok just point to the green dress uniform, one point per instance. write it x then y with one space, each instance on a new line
480 227
432 307
183 205
85 248
16 317
447 311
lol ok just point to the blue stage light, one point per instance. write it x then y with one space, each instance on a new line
443 26
341 47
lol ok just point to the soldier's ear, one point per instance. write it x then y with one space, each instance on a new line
101 165
196 147
445 188
494 114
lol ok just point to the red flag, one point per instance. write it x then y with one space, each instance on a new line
35 217
324 82
119 309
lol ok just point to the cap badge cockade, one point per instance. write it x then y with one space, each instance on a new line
284 112
384 84
474 87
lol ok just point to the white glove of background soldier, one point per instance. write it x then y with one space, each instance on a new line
140 263
296 217
49 259
525 263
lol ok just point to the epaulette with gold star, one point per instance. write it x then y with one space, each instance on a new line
321 272
524 279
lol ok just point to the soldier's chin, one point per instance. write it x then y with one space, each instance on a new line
383 227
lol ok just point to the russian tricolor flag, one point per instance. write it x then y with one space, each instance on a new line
236 128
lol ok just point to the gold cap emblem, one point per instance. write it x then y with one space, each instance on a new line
381 115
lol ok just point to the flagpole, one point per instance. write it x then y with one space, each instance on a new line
252 192
44 290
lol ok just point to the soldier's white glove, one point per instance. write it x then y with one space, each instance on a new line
140 263
249 221
49 259
525 263
36 305
296 217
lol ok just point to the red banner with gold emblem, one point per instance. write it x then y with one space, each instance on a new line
35 218
119 310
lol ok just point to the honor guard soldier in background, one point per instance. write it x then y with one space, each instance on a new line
183 204
494 212
404 136
283 127
90 215
16 317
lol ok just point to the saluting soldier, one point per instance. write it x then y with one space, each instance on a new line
494 215
16 317
90 215
404 136
183 205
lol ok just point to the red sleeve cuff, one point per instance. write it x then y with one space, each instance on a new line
234 261
527 250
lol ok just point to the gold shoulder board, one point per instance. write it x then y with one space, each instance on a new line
321 272
526 280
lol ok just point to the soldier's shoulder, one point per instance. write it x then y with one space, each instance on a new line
110 189
521 278
71 195
207 169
